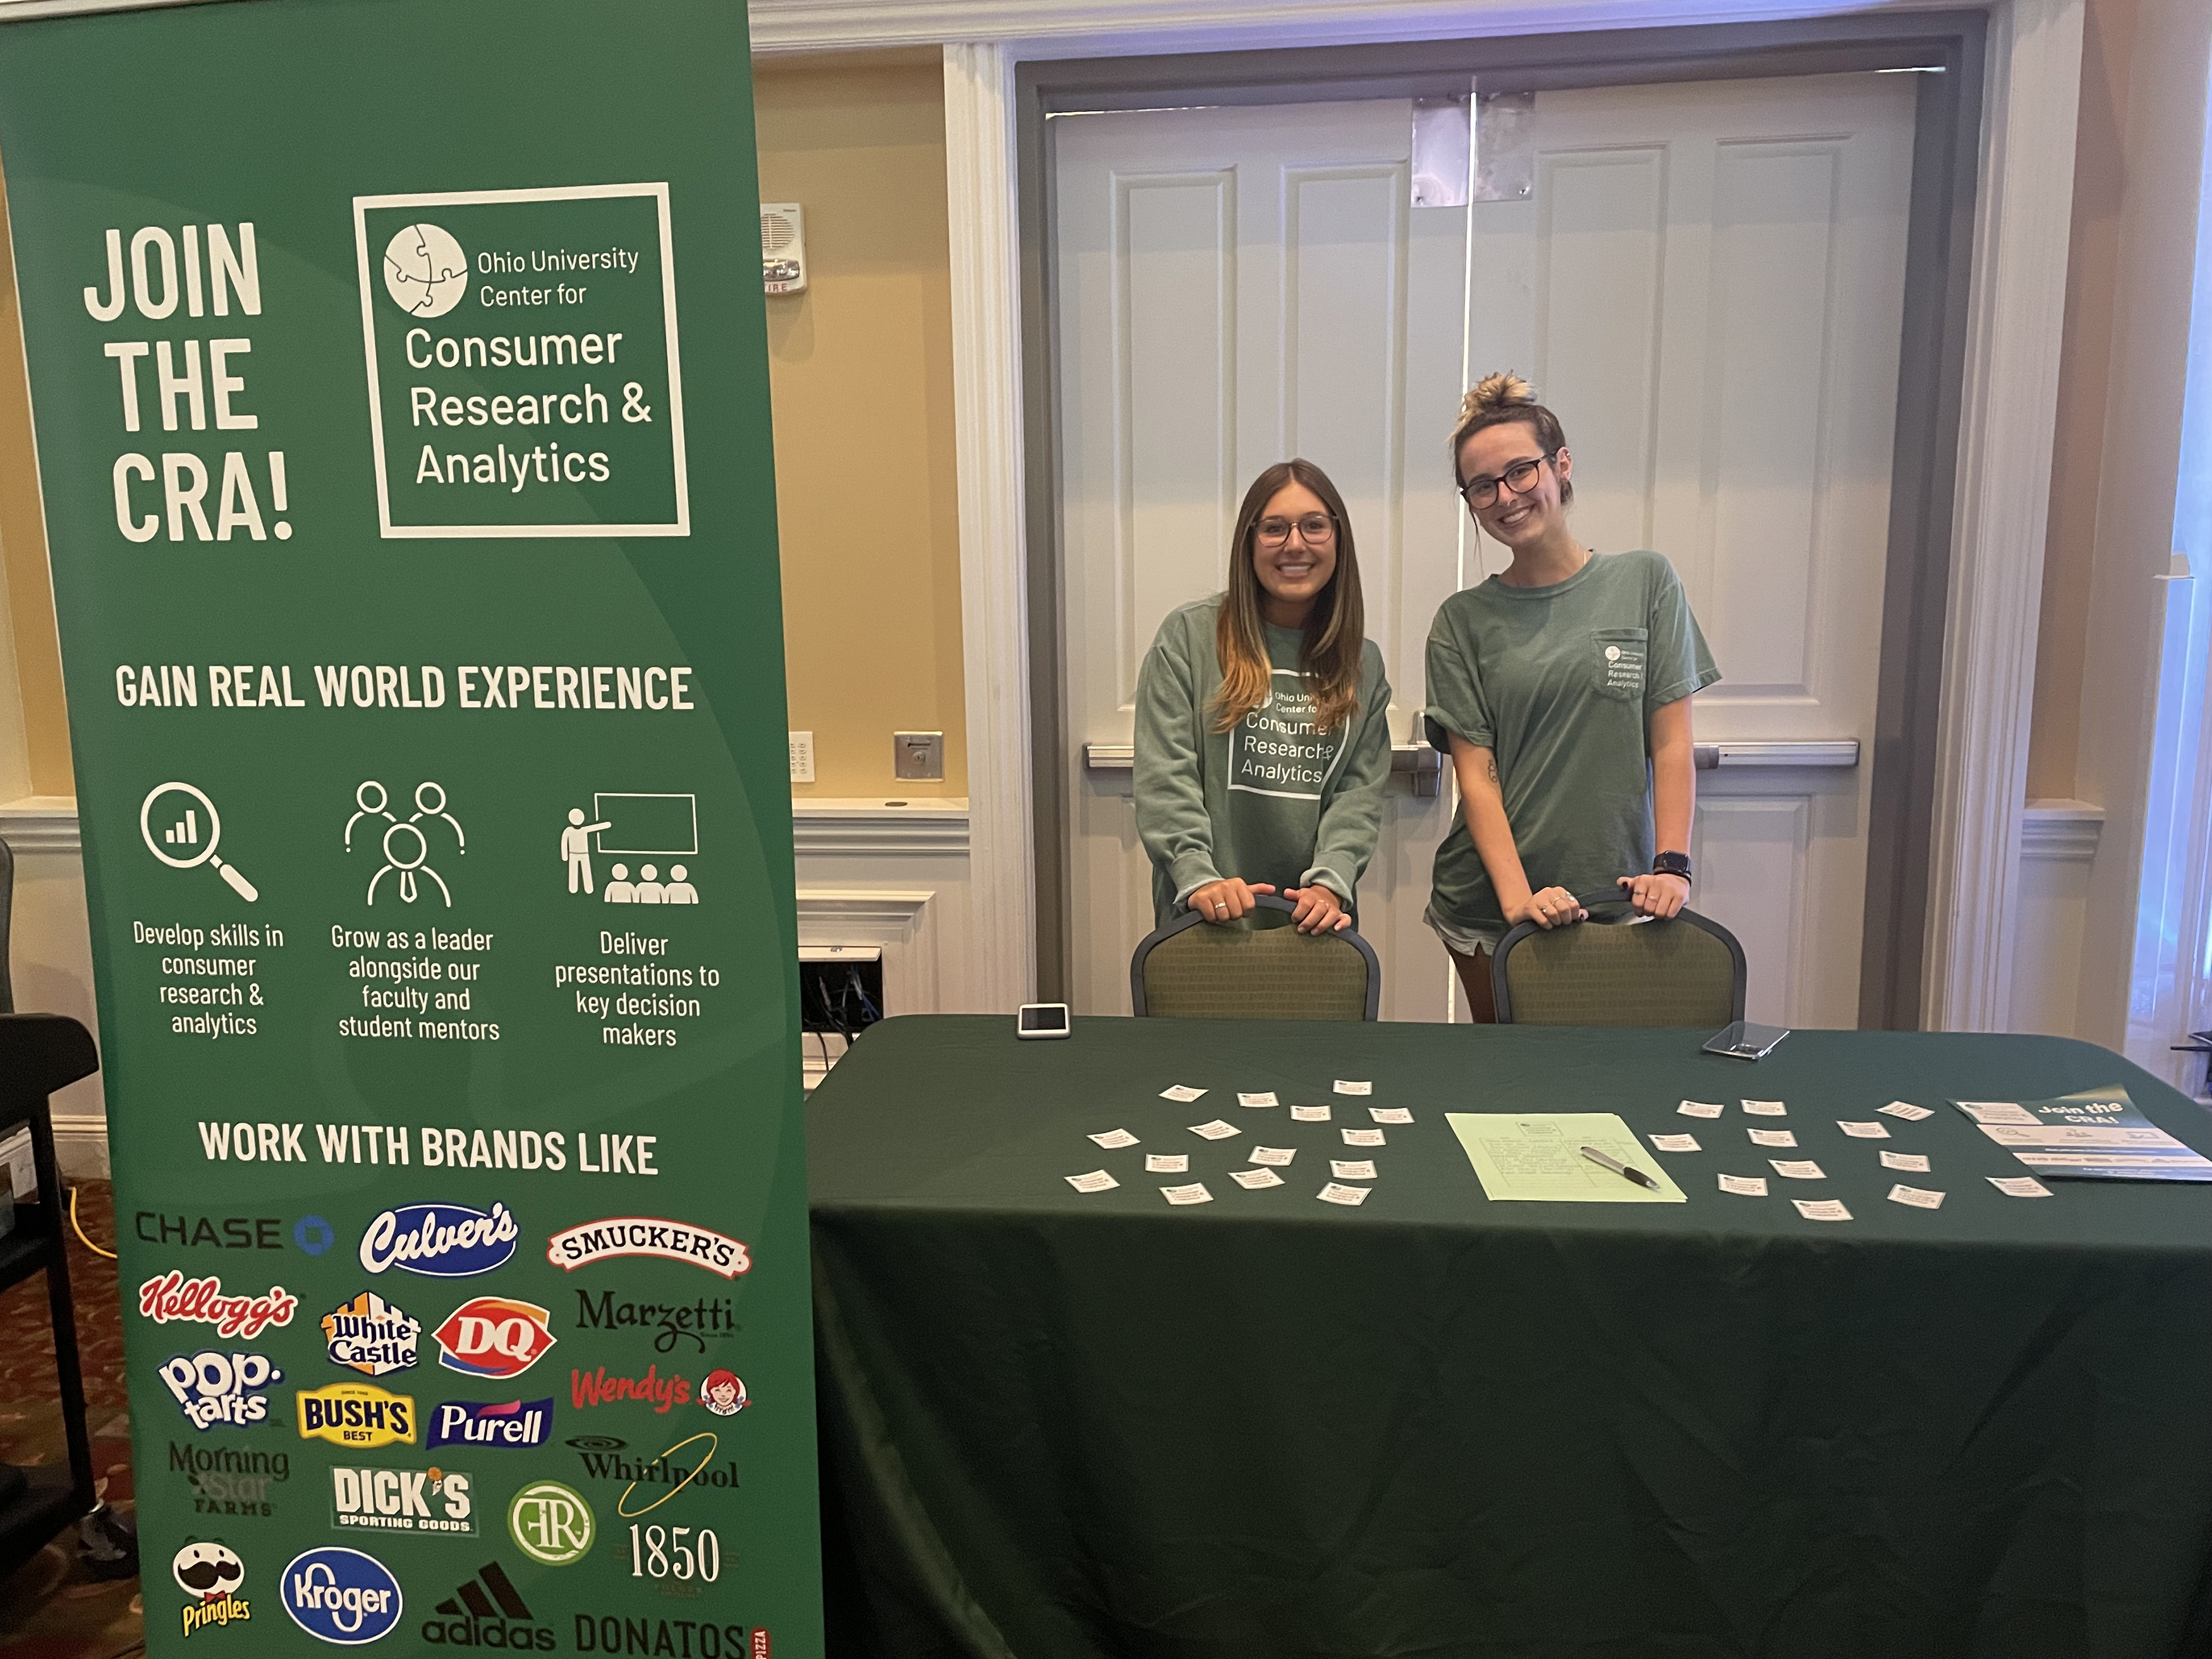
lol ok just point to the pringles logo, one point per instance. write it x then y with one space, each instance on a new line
356 1414
211 1573
672 1241
494 1337
370 1336
440 1241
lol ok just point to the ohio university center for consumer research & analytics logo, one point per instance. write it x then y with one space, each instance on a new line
425 270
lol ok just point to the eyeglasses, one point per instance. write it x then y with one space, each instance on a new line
1516 478
1314 527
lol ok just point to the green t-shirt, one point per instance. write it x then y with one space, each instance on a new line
1271 799
1558 683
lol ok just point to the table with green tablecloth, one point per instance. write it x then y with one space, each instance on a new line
1064 1425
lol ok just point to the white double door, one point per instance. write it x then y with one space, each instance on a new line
1705 282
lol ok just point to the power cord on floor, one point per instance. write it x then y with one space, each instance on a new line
78 1227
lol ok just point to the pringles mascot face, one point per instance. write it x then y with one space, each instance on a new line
208 1570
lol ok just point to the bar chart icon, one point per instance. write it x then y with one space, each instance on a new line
186 832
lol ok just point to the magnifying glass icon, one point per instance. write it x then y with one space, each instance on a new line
186 841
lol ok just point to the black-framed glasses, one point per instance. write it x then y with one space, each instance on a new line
1516 478
1314 527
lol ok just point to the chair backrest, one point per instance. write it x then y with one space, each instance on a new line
1686 972
1193 969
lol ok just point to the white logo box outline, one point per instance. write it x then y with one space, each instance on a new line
389 530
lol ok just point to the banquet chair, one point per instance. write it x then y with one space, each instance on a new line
1688 971
1191 969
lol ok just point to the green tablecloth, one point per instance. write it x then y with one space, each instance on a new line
1058 1425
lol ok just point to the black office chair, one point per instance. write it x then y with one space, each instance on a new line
1193 969
1689 971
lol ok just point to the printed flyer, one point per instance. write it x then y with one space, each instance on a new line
399 380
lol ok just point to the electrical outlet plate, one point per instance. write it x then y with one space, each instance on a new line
802 756
918 756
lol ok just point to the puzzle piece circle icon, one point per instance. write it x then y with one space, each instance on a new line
425 270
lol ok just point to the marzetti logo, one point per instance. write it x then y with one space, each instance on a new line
443 1241
596 1241
341 1595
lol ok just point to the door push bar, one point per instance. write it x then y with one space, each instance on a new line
1424 767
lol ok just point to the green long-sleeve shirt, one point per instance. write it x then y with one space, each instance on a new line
1271 799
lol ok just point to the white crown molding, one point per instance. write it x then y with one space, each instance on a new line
823 826
2065 831
41 823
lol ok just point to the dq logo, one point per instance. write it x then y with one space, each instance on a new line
209 1573
492 1336
341 1595
444 1241
356 1414
551 1523
213 1388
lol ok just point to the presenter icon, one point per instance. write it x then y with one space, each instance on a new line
576 848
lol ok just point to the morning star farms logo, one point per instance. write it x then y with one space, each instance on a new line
356 1414
494 1337
672 1241
371 1335
671 1321
226 1481
517 1424
432 1500
210 1572
442 1241
200 1301
340 1596
216 1390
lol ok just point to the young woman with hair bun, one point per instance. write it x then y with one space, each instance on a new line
1562 688
1262 741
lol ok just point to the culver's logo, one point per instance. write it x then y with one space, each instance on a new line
341 1595
442 1241
493 1336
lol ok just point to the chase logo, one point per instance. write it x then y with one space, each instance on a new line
443 1241
340 1596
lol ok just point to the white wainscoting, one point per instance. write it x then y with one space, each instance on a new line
2058 839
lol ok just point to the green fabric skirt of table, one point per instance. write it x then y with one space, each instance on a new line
1060 1424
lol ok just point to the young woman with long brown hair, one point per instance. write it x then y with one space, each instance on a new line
1562 686
1262 741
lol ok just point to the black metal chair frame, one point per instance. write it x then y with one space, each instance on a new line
1265 901
1502 996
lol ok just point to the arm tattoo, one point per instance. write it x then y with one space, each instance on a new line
1493 769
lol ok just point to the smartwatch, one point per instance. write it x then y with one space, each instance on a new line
1671 864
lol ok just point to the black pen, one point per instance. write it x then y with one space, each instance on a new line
1620 1169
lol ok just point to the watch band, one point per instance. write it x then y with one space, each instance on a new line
1672 864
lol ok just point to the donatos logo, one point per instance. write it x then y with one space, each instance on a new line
493 1336
356 1414
341 1595
551 1523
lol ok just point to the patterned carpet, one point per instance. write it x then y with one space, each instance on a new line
53 1607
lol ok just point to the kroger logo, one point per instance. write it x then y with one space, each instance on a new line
341 1595
493 1336
444 1241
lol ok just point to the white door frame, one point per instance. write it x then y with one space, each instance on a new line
2008 411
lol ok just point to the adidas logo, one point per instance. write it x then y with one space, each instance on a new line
487 1612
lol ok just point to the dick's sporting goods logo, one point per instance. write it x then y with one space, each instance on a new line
487 1612
432 1500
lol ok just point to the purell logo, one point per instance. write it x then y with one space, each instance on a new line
519 1423
372 1336
442 1240
215 1389
201 1301
494 1337
432 1500
598 1389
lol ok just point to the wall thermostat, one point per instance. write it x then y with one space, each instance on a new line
1042 1019
783 247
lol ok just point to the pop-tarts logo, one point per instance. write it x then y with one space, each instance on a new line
443 1241
341 1595
517 1423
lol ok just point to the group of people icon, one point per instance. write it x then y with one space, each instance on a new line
406 848
648 888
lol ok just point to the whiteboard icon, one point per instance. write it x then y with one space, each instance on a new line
663 826
179 837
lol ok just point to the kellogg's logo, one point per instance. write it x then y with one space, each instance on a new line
201 1301
371 1335
442 1240
356 1414
340 1596
493 1336
211 1387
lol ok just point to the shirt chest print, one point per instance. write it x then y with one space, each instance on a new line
1278 748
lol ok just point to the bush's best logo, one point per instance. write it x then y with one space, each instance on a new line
674 1241
223 1390
341 1595
494 1337
443 1241
551 1523
432 1500
487 1612
372 1336
356 1414
519 1423
225 1481
425 270
210 1572
201 1301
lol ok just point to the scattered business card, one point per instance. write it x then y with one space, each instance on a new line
1906 1109
1771 1137
1216 1130
1920 1198
1309 1114
1114 1140
1167 1163
1821 1209
1797 1168
1268 1099
1182 1092
1391 1114
1863 1130
1096 1181
1915 1162
1364 1138
1337 1192
2018 1185
1256 1178
1348 1169
1193 1193
1676 1142
1347 1086
1744 1186
1277 1156
1765 1108
1699 1108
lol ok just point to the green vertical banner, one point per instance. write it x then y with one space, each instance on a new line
400 378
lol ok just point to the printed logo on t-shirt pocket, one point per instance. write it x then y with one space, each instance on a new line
1619 662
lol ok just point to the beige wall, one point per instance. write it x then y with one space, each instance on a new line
861 370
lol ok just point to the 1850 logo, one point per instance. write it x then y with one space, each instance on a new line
223 1390
210 1572
432 1500
341 1595
372 1336
494 1336
356 1414
519 1423
443 1241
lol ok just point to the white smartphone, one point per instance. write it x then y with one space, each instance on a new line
1745 1041
1042 1019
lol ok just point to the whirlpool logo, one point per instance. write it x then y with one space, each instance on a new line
341 1595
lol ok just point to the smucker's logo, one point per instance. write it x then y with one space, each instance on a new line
172 1296
672 1241
372 1336
442 1240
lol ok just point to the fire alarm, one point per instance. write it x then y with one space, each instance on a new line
783 247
